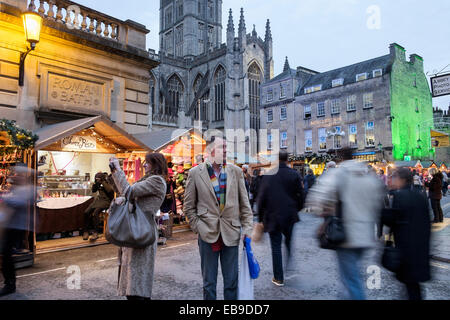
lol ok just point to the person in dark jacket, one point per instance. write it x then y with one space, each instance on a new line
102 202
435 193
410 224
254 186
309 181
279 201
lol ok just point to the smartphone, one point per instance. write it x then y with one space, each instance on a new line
112 167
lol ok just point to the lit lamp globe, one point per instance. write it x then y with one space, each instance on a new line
32 23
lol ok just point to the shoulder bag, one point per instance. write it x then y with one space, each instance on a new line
128 226
332 233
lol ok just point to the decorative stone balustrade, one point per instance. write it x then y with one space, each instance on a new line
76 16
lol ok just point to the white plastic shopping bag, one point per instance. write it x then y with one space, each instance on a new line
245 284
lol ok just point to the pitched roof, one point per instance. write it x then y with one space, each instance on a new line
158 139
348 73
284 75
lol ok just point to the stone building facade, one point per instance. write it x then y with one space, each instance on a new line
86 63
380 107
201 78
442 123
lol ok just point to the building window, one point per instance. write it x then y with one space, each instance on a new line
219 88
180 11
361 77
169 16
201 43
269 116
254 83
211 38
179 41
200 9
337 83
283 137
321 109
368 100
204 112
175 95
211 9
269 142
377 73
322 139
351 103
370 134
307 112
353 135
337 139
313 89
308 141
169 42
282 92
269 95
152 97
283 113
335 106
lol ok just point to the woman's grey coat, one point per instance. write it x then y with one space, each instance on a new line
137 265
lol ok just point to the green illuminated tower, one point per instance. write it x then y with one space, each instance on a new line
411 107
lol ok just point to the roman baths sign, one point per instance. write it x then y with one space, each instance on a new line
74 91
440 85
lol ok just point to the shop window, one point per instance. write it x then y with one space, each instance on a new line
308 141
337 139
321 109
322 139
283 113
283 136
370 134
307 112
353 135
351 103
269 142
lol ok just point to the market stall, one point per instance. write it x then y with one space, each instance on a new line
183 149
69 156
16 146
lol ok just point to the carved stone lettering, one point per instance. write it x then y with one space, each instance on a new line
72 92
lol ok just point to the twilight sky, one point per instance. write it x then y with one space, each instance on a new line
325 34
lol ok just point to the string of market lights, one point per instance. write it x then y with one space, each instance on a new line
103 141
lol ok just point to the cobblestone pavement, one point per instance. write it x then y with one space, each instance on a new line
312 272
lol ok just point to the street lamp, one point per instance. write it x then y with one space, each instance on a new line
32 23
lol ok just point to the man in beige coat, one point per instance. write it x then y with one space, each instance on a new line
217 206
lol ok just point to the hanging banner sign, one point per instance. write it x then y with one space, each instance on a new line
440 86
79 143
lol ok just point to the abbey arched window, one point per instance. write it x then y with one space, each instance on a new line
254 83
175 90
219 90
202 102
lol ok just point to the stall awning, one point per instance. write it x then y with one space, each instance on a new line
103 126
159 139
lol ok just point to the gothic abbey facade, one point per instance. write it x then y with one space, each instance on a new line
199 77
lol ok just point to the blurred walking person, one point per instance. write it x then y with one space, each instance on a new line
14 223
309 181
254 187
137 266
279 202
410 224
360 197
435 195
217 206
444 183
